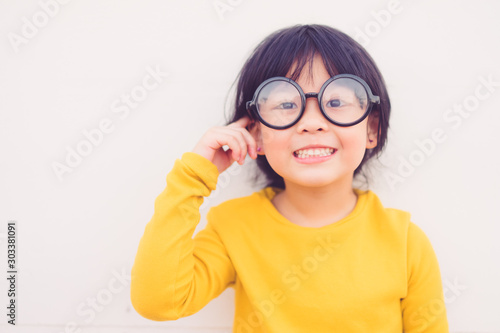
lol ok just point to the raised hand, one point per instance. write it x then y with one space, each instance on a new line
235 136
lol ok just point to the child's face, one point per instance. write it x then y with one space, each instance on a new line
313 129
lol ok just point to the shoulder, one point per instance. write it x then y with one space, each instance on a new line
241 217
242 207
237 204
385 218
393 220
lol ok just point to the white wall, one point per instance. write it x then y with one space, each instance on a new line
75 234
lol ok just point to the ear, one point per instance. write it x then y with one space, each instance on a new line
372 130
255 130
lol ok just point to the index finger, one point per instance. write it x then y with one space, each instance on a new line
242 122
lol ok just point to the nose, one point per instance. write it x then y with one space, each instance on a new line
312 120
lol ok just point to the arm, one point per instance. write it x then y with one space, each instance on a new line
423 307
174 275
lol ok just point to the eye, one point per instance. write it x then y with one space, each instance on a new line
287 105
334 103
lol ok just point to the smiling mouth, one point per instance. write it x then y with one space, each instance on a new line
314 152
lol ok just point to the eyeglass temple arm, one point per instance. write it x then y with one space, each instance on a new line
250 109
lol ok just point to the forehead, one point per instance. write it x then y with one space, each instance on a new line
312 74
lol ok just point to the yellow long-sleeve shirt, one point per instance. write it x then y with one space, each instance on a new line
372 271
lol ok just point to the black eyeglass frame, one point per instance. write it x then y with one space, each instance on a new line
252 105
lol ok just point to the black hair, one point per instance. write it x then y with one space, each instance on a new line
297 46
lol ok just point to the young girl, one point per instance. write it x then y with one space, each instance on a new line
307 253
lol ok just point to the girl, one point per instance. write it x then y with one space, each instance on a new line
308 252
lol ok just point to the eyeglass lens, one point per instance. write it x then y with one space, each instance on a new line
344 100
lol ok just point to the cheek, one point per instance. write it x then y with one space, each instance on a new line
276 145
353 142
269 136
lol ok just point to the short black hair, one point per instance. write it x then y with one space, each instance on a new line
297 45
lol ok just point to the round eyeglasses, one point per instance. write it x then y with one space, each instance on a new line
345 100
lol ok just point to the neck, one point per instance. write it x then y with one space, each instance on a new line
316 206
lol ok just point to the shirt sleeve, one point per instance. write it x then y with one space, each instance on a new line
173 274
423 308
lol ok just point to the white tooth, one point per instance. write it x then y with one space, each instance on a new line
306 153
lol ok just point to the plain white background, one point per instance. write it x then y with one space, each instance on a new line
64 70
